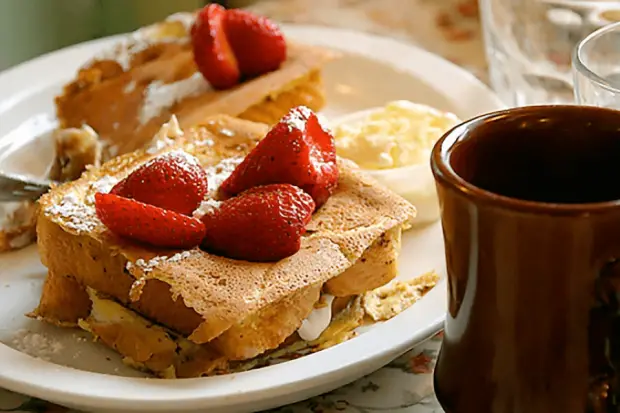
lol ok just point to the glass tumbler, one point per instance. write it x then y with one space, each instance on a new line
529 44
596 68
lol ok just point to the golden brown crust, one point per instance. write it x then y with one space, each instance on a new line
268 327
307 91
63 302
377 266
94 265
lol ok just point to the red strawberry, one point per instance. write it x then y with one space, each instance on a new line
258 43
262 224
149 224
173 181
297 151
212 52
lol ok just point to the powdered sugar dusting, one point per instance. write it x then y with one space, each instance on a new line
189 158
148 266
218 173
159 144
180 256
159 96
75 213
185 18
323 123
175 29
208 206
204 142
103 185
297 118
124 51
37 344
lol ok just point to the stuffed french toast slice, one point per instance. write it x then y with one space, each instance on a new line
232 309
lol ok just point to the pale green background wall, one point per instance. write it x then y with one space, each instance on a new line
29 28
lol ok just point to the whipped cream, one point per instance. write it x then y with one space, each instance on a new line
159 96
166 136
318 320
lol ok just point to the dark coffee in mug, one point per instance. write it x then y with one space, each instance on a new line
550 161
530 202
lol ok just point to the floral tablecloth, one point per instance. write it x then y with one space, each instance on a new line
449 28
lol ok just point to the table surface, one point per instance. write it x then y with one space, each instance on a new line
449 28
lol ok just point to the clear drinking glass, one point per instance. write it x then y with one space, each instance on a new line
596 68
529 44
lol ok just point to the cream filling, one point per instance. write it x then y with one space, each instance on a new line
318 320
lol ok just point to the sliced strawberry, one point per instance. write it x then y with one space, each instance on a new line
258 43
297 151
262 224
173 181
212 52
147 223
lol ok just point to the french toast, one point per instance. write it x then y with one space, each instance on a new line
157 350
237 309
127 92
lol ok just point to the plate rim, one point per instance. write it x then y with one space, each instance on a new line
25 374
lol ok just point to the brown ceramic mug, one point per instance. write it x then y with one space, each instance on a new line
530 201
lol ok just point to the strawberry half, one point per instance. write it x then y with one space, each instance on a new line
212 52
147 223
297 151
174 181
258 43
263 224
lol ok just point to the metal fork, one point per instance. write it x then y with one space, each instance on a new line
15 188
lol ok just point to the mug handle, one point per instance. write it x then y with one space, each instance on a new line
604 346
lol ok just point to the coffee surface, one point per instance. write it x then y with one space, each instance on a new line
548 160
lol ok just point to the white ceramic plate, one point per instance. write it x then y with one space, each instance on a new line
85 375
